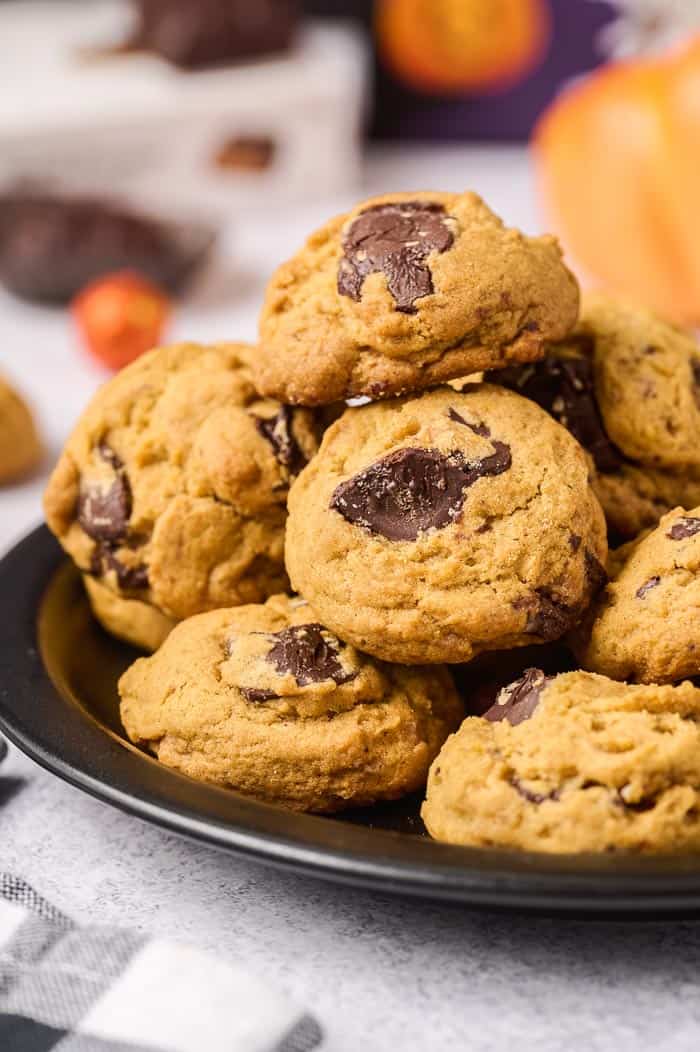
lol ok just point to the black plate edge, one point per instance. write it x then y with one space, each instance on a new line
503 879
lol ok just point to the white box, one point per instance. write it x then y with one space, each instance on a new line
75 115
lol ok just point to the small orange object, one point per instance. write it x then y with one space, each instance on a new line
460 46
618 158
120 316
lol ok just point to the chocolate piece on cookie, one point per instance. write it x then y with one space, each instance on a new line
588 764
643 627
266 700
171 492
405 292
434 528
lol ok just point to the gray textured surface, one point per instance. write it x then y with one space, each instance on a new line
380 973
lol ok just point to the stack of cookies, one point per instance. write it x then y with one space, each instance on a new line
305 570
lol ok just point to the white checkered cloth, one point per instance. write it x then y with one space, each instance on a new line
64 988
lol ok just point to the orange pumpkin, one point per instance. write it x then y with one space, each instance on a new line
618 157
461 46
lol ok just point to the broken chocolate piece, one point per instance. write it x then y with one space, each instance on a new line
564 387
395 239
413 490
531 796
277 430
310 653
547 617
104 511
518 701
258 694
684 527
647 587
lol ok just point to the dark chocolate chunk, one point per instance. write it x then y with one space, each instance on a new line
647 587
214 32
574 542
53 245
413 490
130 578
695 369
103 513
565 388
546 616
310 653
518 701
278 432
596 573
684 527
478 429
528 794
395 239
258 694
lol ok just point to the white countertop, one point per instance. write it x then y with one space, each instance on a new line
380 973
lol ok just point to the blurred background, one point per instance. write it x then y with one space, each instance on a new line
158 158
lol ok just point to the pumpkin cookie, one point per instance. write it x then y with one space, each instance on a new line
644 625
433 528
266 700
573 763
172 489
405 292
627 386
20 445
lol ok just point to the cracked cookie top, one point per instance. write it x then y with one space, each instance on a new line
266 700
569 763
643 625
435 527
172 489
407 291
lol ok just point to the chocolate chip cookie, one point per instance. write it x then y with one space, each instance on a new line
430 529
265 700
172 490
627 386
20 445
573 763
405 292
644 625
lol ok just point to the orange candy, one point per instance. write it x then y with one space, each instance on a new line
618 157
461 46
121 316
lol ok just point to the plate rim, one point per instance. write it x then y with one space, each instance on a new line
313 845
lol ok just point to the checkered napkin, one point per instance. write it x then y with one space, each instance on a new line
69 989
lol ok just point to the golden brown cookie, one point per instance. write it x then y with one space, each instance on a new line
574 763
266 700
434 528
20 445
172 489
404 292
644 625
136 622
627 386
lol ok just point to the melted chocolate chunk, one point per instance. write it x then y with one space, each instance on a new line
414 490
395 239
518 701
478 429
258 694
685 527
277 430
595 572
647 587
528 794
547 618
574 542
104 512
130 578
310 653
564 388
